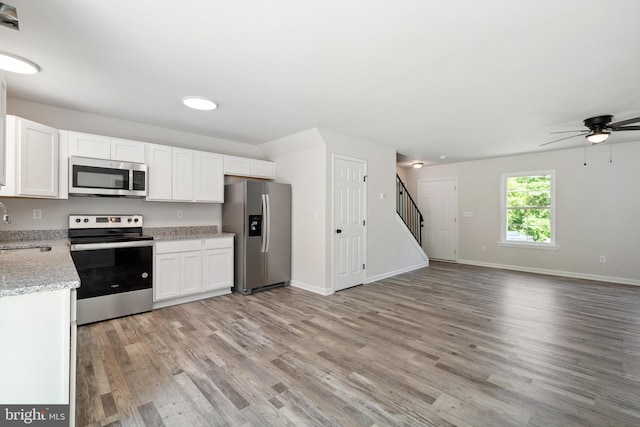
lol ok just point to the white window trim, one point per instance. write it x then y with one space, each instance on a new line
503 212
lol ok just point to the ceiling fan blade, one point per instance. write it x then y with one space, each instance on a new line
626 128
562 139
624 122
568 131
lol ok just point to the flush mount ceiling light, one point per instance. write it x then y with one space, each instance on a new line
17 64
417 165
199 103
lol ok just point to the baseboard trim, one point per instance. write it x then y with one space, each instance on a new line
311 288
574 275
396 272
191 298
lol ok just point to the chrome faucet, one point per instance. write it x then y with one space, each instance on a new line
5 217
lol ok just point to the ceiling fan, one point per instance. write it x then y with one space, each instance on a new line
599 128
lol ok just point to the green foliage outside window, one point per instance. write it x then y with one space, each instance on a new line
529 208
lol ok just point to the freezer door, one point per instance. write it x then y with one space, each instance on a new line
278 260
254 254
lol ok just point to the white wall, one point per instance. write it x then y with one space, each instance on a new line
305 160
66 119
300 161
403 173
390 250
597 211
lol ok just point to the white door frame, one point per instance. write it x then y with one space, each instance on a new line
456 222
333 225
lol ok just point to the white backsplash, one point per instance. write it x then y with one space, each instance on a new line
55 213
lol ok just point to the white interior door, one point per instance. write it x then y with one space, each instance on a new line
439 204
348 222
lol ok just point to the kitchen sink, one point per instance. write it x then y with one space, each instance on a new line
27 248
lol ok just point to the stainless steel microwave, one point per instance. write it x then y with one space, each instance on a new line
99 177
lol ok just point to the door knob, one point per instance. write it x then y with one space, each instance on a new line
338 231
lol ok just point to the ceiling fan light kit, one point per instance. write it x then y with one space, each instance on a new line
598 137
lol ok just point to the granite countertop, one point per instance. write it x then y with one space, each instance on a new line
182 233
28 270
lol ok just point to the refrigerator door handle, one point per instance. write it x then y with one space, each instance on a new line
265 221
268 223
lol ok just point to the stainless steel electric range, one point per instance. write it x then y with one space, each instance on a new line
115 264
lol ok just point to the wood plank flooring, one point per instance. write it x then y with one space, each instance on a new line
446 345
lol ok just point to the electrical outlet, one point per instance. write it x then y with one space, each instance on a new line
180 214
603 258
37 214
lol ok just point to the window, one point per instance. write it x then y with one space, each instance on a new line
528 209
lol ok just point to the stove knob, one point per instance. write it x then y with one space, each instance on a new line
135 220
86 220
77 219
128 219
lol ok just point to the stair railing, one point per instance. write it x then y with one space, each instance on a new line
408 210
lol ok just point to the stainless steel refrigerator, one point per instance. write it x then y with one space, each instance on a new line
259 213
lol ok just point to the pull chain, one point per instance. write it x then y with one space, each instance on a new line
585 154
610 153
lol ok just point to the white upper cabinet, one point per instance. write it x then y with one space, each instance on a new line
183 175
87 145
208 181
32 159
104 147
126 150
242 166
159 171
262 169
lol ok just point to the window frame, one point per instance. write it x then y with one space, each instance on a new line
552 211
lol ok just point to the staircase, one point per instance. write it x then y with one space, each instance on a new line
408 210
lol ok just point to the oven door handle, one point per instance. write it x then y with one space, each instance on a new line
110 245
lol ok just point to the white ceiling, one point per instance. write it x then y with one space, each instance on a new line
463 79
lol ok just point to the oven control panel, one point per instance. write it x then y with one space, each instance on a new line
105 221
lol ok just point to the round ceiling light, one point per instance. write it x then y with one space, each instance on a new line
199 103
17 64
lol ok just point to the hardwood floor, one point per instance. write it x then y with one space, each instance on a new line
446 345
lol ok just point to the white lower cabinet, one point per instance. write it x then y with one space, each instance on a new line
190 272
178 268
37 361
217 264
192 269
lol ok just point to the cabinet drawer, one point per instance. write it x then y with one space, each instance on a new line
219 243
178 246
